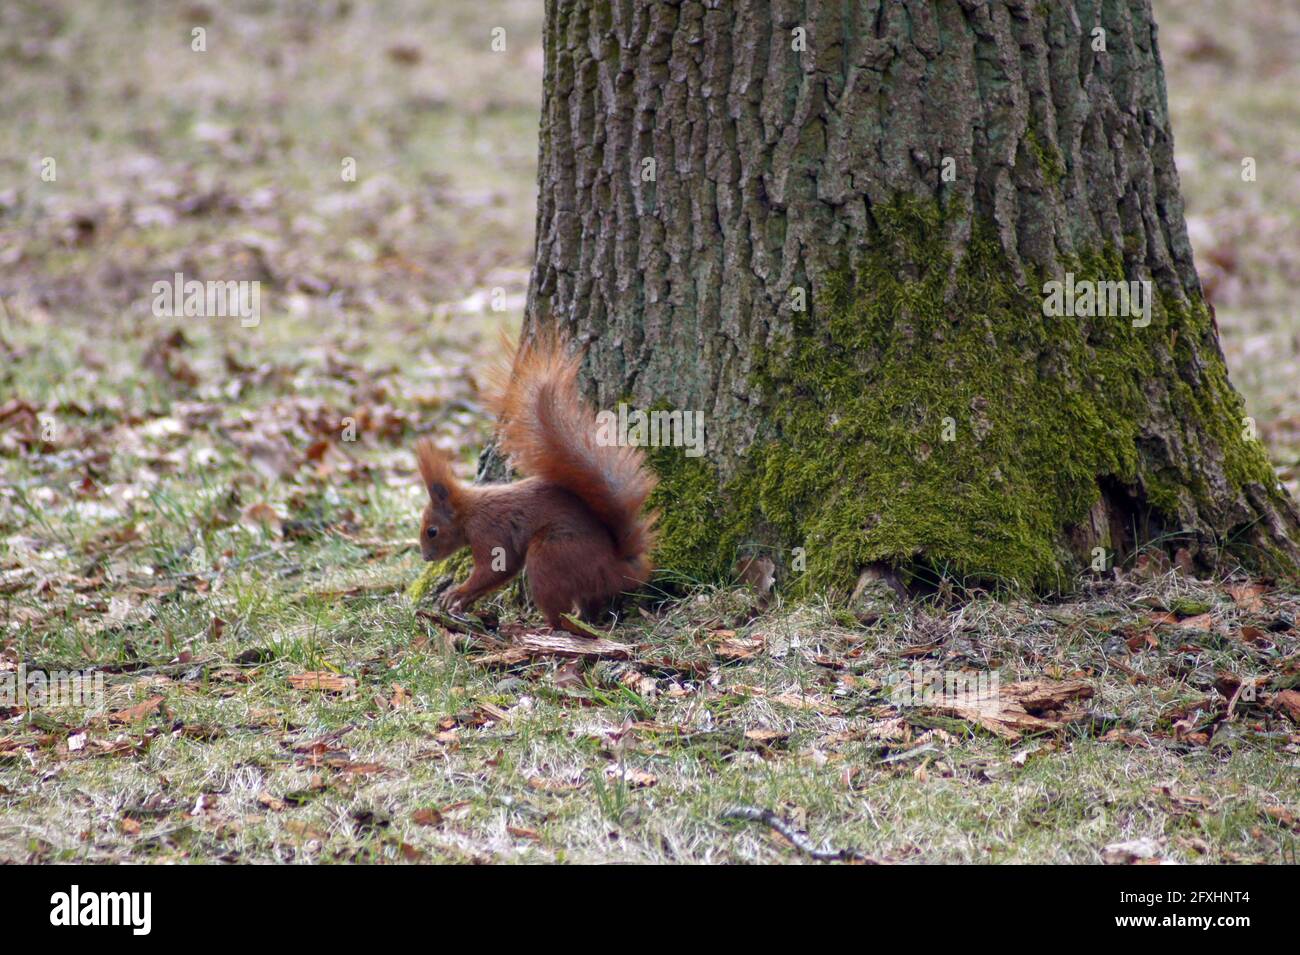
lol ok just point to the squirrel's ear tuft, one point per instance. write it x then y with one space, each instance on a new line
427 455
435 469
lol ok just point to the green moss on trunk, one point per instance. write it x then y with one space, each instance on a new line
925 413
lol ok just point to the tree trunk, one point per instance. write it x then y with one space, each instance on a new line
828 226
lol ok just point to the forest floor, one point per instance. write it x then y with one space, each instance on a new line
178 512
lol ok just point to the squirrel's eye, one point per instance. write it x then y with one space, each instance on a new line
432 532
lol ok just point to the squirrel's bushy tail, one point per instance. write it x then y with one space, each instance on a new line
548 431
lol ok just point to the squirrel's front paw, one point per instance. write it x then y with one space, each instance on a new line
451 600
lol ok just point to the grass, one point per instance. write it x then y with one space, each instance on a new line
1228 79
188 517
426 754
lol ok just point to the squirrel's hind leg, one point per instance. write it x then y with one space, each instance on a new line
554 611
570 573
597 611
550 580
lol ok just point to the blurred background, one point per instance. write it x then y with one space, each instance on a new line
379 295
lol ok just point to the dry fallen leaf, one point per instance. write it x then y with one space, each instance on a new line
1247 596
1127 853
569 675
764 735
206 802
739 648
304 830
1202 621
1283 816
632 778
1118 735
409 852
137 712
322 680
349 768
1289 702
1182 802
1142 641
894 729
1254 635
1030 706
262 515
273 803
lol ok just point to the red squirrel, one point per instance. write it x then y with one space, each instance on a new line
575 520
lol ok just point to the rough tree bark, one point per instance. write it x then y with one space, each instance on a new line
917 408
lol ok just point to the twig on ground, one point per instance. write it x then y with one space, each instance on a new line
235 564
768 818
463 626
1137 676
586 629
